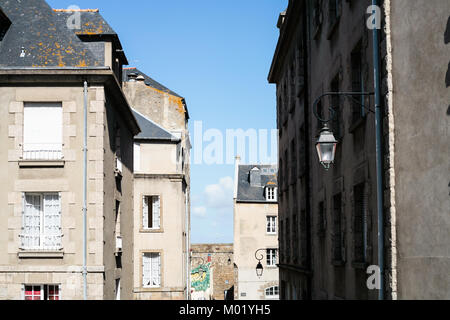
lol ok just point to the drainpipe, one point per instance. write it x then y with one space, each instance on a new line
379 161
188 240
85 192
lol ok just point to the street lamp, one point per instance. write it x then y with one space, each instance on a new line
326 147
259 266
326 143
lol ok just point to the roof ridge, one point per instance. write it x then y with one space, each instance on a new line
76 10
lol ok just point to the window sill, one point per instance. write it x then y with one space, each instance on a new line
42 163
151 230
35 254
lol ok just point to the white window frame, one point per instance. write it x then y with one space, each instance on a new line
272 293
137 156
271 194
151 270
271 257
271 224
155 212
49 145
27 225
42 294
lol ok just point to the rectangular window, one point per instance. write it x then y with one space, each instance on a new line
321 223
151 270
295 237
41 222
337 228
303 237
271 226
336 109
271 257
42 292
151 213
271 194
288 240
334 10
272 293
42 131
360 223
137 157
359 108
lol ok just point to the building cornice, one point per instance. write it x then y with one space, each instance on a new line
287 30
65 76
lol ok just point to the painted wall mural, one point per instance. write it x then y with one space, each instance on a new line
200 277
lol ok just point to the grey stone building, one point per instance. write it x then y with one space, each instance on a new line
328 219
161 189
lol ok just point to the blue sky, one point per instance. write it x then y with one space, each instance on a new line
217 55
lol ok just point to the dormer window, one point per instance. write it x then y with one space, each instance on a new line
271 194
4 24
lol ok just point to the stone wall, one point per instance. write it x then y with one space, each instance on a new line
222 266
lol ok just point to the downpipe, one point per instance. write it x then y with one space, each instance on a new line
85 91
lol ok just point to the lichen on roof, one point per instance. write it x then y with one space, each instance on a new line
37 37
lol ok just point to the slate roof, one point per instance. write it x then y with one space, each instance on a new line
37 37
248 193
148 81
92 23
150 130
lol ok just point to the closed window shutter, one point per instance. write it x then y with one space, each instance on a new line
156 212
52 222
146 270
43 132
145 212
32 222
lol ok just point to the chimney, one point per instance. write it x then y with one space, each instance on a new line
255 177
236 175
132 76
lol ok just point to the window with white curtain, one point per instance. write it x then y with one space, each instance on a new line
41 221
151 214
271 257
151 270
42 131
271 226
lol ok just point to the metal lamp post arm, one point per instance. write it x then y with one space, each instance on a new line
261 255
333 113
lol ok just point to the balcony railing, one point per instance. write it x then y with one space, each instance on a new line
42 152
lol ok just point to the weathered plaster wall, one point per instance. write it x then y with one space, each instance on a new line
420 105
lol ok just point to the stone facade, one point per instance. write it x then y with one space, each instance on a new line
163 171
21 267
325 46
221 260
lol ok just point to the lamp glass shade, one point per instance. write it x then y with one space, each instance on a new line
326 147
259 269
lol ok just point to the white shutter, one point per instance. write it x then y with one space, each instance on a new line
52 222
146 270
43 131
145 212
156 209
31 222
137 157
